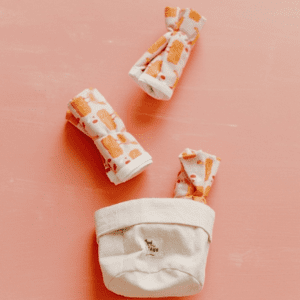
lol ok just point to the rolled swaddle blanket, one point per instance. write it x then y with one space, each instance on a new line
123 157
158 247
157 72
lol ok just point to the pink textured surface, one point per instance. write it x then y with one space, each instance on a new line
238 98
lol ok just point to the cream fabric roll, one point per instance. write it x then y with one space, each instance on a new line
157 72
123 157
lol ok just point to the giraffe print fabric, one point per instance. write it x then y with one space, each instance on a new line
198 170
157 72
123 157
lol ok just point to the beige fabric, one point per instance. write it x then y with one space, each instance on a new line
154 247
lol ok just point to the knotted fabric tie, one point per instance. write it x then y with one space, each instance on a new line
122 155
198 170
157 72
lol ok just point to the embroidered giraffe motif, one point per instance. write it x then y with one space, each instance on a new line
208 167
81 106
151 247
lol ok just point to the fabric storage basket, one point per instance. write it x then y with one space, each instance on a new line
154 247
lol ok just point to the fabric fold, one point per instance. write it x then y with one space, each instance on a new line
157 72
123 157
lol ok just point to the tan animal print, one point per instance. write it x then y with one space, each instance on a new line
106 118
135 153
112 146
154 68
208 166
170 12
194 16
81 106
159 43
175 52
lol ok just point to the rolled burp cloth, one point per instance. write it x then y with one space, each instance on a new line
157 72
158 247
198 170
123 157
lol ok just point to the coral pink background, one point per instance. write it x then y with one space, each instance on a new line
238 98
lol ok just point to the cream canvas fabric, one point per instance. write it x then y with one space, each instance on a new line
157 72
123 157
154 247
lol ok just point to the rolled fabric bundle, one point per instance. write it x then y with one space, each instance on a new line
198 170
157 72
123 157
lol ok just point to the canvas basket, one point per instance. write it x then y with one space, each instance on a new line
154 247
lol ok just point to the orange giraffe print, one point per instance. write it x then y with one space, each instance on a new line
175 52
194 15
106 118
112 146
135 153
208 166
159 43
154 68
81 106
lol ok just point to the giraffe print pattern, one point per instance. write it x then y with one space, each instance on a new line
91 113
198 170
157 72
